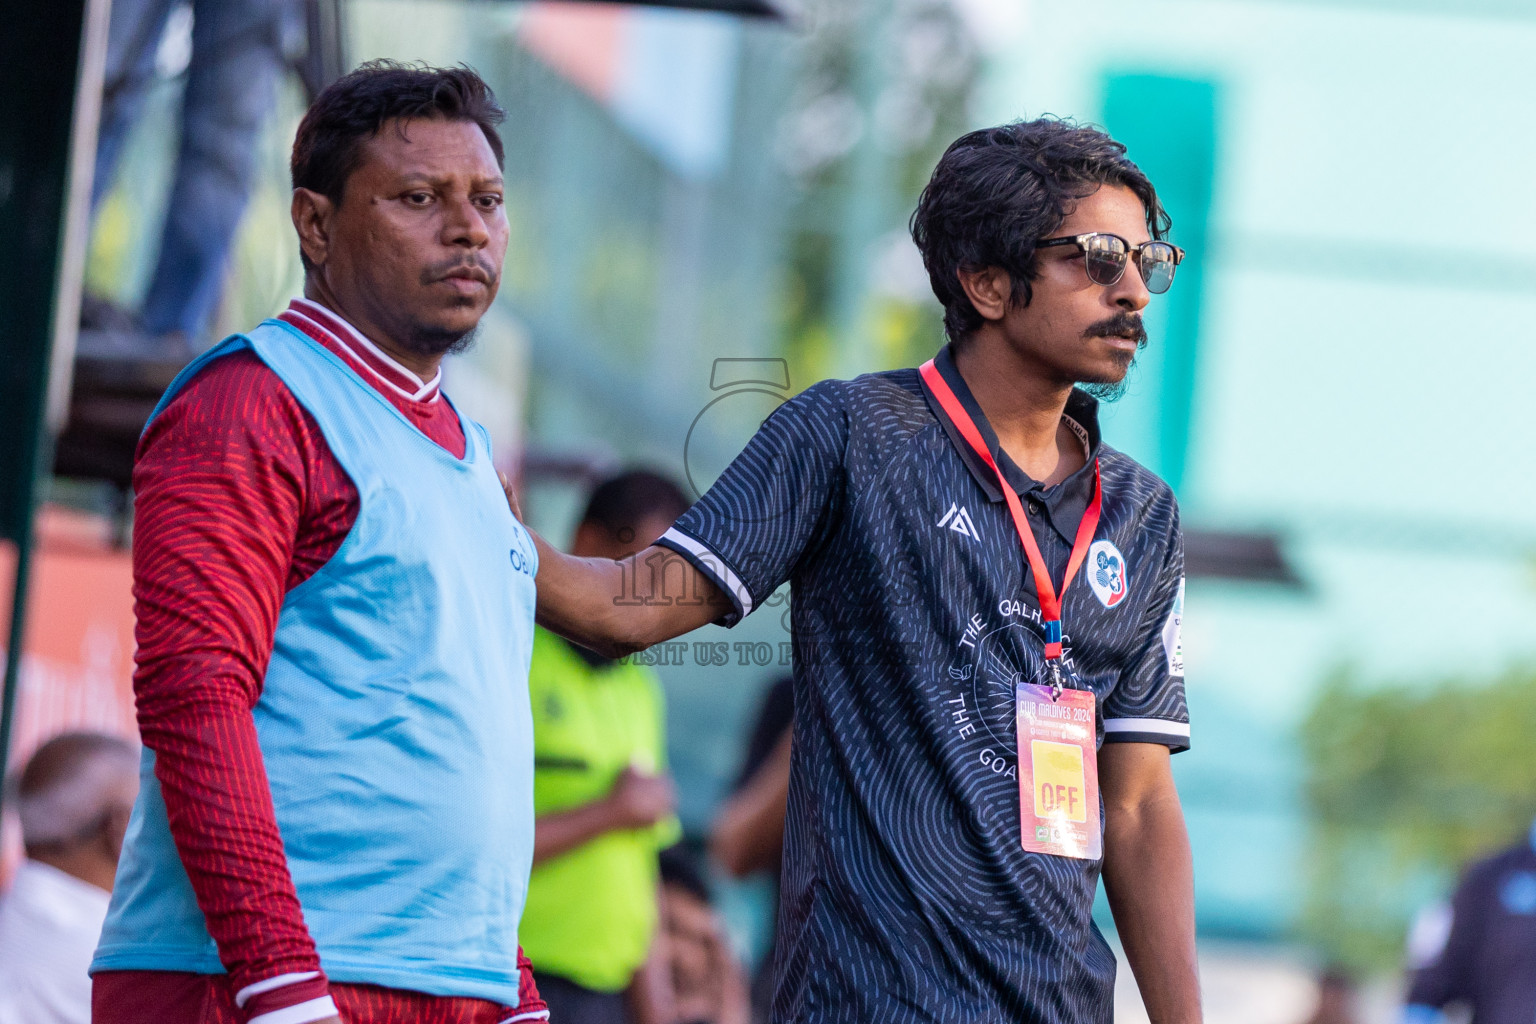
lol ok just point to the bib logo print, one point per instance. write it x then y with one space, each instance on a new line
1106 573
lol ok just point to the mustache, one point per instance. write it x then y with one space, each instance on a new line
478 267
1121 325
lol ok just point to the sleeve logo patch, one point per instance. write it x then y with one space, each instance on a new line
1106 573
1173 635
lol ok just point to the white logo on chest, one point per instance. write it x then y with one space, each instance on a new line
959 520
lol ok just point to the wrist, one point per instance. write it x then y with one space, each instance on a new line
610 814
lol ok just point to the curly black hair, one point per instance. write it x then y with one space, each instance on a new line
998 191
328 145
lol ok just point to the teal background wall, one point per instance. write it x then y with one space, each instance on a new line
1170 125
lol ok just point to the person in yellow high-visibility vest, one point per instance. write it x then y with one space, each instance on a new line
603 801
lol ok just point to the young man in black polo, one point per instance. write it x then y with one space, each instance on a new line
973 573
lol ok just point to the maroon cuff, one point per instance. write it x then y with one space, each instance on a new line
285 996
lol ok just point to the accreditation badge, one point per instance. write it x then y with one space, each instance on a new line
1058 773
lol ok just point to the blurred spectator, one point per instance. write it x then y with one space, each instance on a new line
1335 998
74 798
237 57
1481 951
707 982
748 833
604 804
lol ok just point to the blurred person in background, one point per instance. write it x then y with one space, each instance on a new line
707 982
1479 953
74 797
335 616
747 836
236 61
604 804
748 831
938 626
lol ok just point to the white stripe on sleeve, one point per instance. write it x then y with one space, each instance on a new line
1157 726
278 981
713 566
299 1013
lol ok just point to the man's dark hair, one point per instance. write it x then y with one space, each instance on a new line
625 501
998 191
328 145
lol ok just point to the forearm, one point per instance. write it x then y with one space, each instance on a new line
219 809
579 598
749 831
1149 879
619 607
564 831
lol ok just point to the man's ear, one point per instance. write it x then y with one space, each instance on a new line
312 220
989 289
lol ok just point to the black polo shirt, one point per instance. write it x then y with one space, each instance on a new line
907 895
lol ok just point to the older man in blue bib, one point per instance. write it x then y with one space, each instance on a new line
335 617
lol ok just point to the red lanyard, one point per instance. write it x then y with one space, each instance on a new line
1050 599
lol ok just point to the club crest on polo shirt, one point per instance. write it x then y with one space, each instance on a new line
1106 573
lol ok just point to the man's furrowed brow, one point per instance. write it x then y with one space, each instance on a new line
436 179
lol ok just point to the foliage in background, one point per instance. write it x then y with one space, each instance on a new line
1404 787
884 88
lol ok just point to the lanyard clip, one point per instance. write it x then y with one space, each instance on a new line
1054 665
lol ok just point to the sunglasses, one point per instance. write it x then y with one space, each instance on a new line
1105 257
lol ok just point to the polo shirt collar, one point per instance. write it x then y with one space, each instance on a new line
330 328
1063 503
